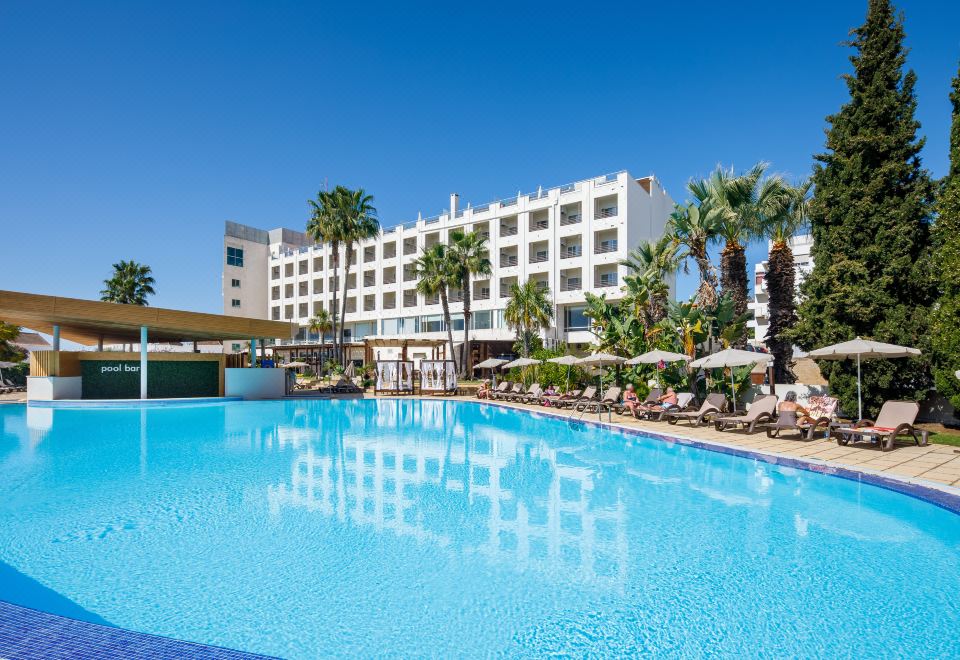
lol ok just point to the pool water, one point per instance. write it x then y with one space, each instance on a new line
412 528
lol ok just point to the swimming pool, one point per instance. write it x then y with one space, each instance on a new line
371 527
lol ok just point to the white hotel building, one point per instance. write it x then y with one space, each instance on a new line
800 245
570 239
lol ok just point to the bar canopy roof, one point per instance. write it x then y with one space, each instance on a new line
87 321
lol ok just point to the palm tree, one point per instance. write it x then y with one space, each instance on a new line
694 226
130 284
742 203
528 311
323 227
435 273
469 252
780 228
357 218
647 290
321 324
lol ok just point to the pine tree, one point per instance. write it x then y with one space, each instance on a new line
870 222
946 318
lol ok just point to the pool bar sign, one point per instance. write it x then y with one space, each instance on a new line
120 368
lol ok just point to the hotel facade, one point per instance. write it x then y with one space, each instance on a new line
568 239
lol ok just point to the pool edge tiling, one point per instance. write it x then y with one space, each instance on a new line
28 633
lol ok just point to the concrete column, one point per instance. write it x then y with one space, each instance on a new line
253 353
143 362
100 343
56 337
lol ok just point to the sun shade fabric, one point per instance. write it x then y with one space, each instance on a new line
492 363
294 365
656 356
865 348
566 360
600 359
731 357
521 362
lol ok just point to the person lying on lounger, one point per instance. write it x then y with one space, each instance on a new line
669 398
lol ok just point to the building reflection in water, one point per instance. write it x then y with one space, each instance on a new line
473 488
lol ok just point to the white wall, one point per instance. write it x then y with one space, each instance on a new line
53 388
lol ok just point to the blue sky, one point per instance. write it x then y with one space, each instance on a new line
132 130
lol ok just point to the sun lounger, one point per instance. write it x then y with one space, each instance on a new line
713 405
589 394
896 419
519 390
557 400
658 412
533 395
501 389
821 411
652 397
606 402
761 411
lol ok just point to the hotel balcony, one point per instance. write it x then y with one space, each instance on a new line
605 246
390 250
506 283
390 300
409 298
539 221
605 207
571 250
409 246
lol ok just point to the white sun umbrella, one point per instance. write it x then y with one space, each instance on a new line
294 365
600 360
862 349
568 360
491 364
656 357
731 357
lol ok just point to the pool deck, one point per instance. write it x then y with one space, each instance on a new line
936 466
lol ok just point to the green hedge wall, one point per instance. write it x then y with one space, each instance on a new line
164 379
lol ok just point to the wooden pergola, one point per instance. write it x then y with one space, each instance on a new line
92 323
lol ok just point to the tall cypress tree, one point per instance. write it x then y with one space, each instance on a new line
946 317
870 219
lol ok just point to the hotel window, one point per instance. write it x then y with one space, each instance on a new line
318 286
432 323
235 303
302 308
275 273
275 313
235 257
235 348
574 319
275 293
235 284
482 320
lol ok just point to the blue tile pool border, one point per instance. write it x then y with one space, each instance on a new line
31 634
936 496
131 403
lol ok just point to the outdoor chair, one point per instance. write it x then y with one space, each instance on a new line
589 394
761 410
652 396
533 395
714 404
557 400
605 403
501 389
658 412
519 390
896 419
819 414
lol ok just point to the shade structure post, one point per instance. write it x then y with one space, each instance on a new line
143 362
56 337
253 353
859 397
733 391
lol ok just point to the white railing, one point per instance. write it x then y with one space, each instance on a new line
608 212
605 247
571 252
607 281
571 219
539 258
539 225
507 261
507 231
572 284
